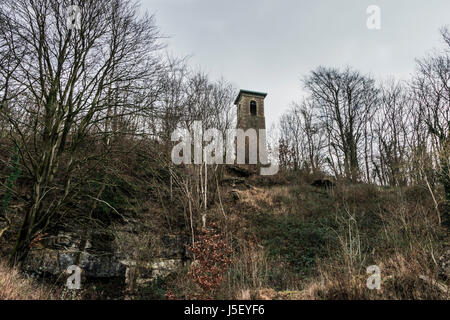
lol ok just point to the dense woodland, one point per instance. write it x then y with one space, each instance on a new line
86 117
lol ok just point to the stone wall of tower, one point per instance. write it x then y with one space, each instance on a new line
244 119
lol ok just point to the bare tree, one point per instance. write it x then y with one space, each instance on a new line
345 100
431 87
391 128
65 81
302 137
291 138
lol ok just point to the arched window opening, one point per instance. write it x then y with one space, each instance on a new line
253 108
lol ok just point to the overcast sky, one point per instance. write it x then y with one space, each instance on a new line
269 45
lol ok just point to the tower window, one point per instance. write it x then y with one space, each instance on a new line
253 108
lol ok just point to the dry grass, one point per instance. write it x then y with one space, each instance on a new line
254 275
259 198
406 250
402 278
395 229
14 286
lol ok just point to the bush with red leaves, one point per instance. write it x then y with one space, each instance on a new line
213 256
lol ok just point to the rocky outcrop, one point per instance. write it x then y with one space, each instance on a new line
41 261
50 261
55 254
139 274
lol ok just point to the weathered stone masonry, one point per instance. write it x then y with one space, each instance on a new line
247 102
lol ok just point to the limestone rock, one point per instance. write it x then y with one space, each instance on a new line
55 262
164 267
95 266
101 258
140 274
41 261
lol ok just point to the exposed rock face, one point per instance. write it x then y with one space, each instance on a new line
42 261
138 274
57 253
106 266
164 267
172 256
56 262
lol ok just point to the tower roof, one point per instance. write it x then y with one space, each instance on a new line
253 93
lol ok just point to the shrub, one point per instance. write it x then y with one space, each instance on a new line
212 258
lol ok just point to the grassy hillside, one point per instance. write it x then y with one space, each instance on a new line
292 240
288 240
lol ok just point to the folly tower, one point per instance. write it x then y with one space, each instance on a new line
250 114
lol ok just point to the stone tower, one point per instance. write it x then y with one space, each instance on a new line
250 114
